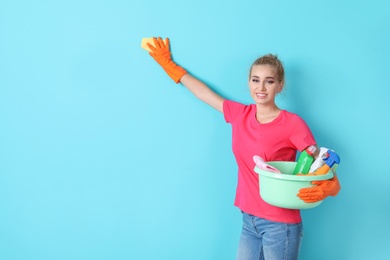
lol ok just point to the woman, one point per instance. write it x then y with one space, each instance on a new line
262 129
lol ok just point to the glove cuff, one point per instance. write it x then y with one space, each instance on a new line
176 73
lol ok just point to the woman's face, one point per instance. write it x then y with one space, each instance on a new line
264 84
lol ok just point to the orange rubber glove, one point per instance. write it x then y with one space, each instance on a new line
160 52
323 189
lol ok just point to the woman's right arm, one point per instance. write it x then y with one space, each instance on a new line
203 92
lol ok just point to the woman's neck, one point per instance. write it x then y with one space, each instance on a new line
266 114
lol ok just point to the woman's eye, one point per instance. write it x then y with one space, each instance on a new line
270 81
255 80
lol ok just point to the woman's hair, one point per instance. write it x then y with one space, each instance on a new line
273 61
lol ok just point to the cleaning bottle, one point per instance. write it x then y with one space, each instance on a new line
332 159
322 156
305 160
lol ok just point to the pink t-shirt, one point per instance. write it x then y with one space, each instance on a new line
278 140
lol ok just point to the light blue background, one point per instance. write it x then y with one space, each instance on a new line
102 156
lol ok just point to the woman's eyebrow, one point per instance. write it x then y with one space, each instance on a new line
269 77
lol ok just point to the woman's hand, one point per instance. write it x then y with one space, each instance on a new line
161 53
322 190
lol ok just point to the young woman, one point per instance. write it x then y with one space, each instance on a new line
262 129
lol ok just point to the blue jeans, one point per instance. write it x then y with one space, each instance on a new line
268 240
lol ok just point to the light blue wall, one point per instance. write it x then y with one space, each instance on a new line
102 156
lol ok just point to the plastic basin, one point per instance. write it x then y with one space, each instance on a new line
281 189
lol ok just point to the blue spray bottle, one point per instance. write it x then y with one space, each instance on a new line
331 160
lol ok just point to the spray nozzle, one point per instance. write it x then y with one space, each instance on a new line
332 158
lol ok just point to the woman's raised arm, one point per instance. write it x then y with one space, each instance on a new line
203 92
160 51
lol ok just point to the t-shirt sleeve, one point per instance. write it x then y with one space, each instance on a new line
231 110
301 135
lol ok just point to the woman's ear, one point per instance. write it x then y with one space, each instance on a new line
281 86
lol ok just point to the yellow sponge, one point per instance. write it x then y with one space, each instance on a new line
144 43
